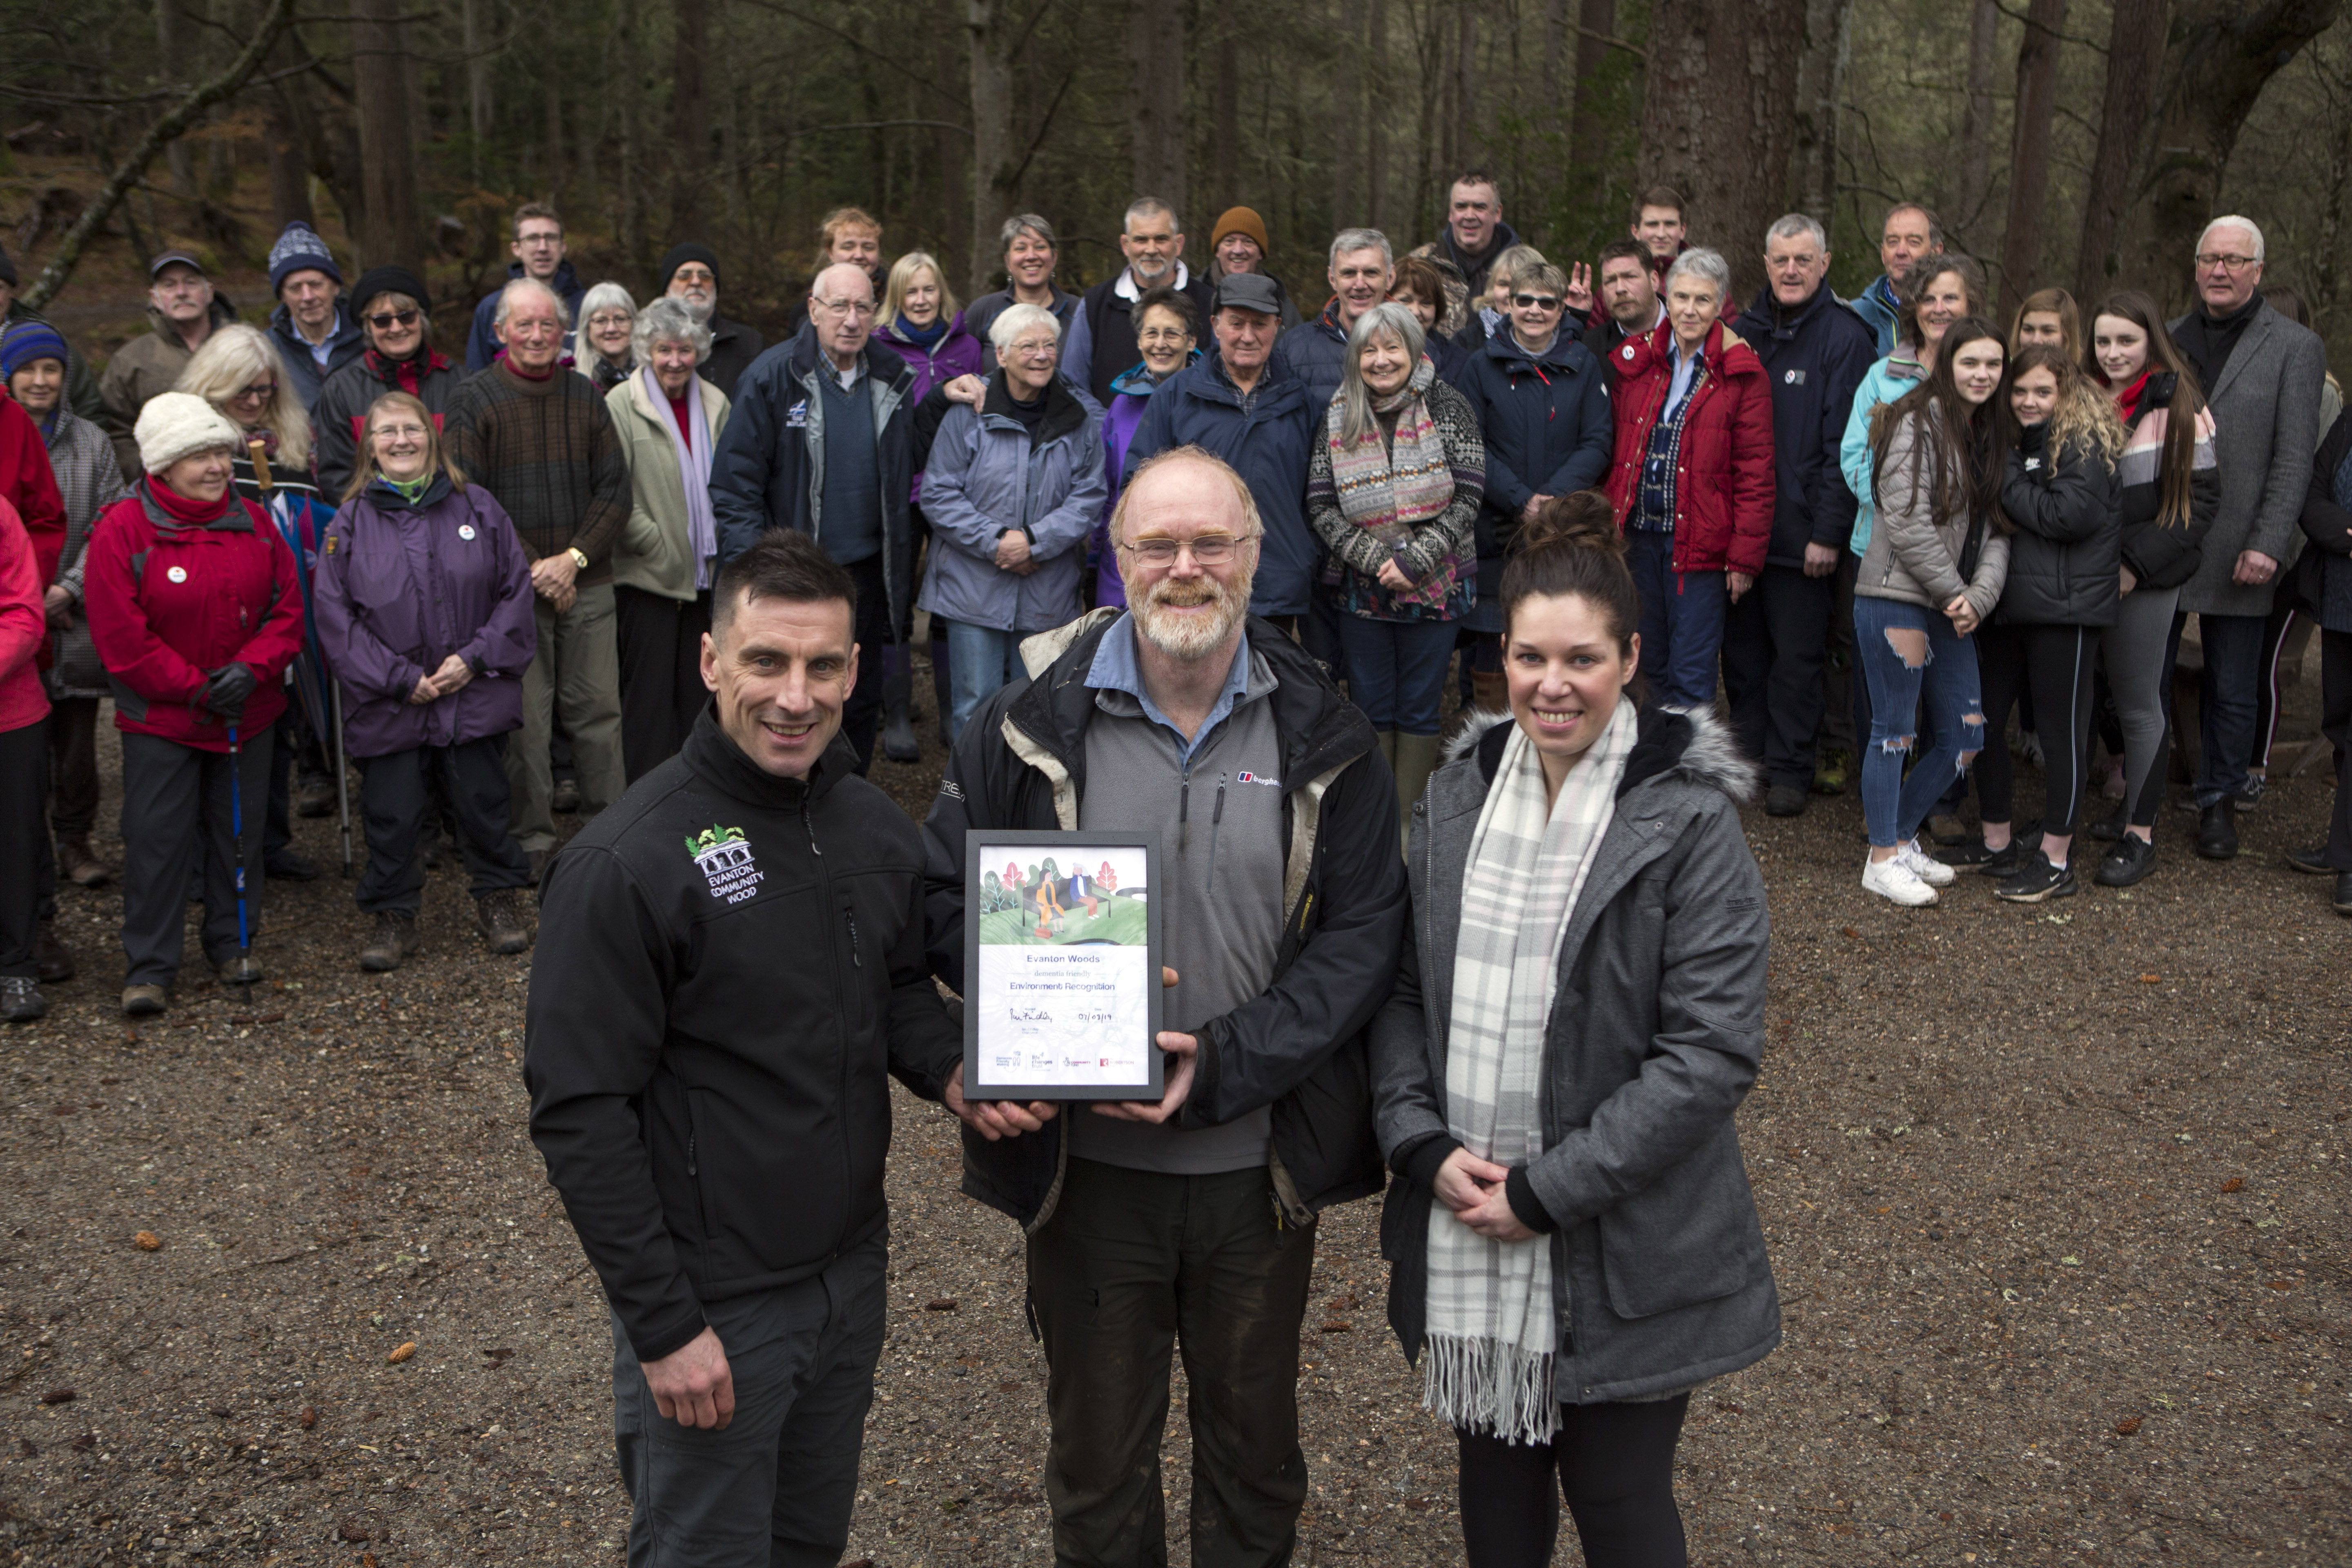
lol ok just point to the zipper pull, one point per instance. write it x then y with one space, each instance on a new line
1183 815
854 959
690 1153
810 828
1218 815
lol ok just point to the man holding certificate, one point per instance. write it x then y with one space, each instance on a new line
1281 911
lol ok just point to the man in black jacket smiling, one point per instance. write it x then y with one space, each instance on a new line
733 958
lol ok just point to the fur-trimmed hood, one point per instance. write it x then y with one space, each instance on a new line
1675 742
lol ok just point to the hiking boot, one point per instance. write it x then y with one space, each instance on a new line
2344 892
144 1001
53 965
504 926
1831 774
1894 880
2128 863
394 940
538 858
2217 830
2250 792
21 1001
2312 861
238 969
314 796
566 797
1784 800
79 866
286 866
2037 882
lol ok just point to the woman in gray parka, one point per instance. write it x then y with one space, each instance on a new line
1580 1011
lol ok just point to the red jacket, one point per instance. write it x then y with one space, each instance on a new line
1723 480
24 628
167 605
27 483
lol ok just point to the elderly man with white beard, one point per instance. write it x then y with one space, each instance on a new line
1192 1217
690 273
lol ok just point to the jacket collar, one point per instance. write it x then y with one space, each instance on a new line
1786 324
1688 744
1062 412
1503 347
1504 238
281 323
1205 377
718 762
884 364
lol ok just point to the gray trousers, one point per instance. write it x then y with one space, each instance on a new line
176 809
773 1488
577 672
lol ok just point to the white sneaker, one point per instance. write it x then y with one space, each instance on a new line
1924 865
1894 880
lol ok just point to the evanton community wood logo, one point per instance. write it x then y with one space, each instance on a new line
725 855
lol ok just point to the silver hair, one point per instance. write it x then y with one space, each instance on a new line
1020 224
1798 226
515 290
1349 239
1150 206
669 321
1385 320
1014 319
2231 220
1704 263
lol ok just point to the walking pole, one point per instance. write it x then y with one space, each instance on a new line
237 842
342 772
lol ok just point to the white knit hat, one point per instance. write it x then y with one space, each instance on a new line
175 424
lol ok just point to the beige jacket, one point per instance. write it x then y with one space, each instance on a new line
148 364
652 555
1911 558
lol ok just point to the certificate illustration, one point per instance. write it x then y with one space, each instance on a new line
1061 966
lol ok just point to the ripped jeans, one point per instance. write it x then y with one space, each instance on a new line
1895 806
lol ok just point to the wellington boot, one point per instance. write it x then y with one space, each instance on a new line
1416 758
1490 691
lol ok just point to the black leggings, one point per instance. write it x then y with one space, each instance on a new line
1615 1465
2055 661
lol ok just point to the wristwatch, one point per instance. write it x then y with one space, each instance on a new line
579 558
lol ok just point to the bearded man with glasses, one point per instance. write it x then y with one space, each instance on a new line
2261 375
1191 1218
396 312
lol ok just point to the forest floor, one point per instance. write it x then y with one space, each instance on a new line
2055 1197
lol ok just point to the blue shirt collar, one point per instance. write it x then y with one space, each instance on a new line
1114 668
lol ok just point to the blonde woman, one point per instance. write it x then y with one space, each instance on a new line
920 322
237 371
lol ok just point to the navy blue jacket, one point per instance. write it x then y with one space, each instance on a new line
1316 354
1816 357
1268 447
769 468
303 375
482 344
1545 420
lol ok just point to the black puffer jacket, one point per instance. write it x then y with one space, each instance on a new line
729 964
2163 555
2065 559
1299 1048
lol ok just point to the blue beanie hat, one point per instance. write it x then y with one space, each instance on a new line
25 342
299 250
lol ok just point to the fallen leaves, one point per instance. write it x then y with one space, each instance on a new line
402 1355
2282 1284
353 1530
1850 931
2151 979
147 1241
309 1416
1338 1326
2127 1425
59 1396
944 1304
2234 1185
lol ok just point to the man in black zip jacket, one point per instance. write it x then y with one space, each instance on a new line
732 961
1285 904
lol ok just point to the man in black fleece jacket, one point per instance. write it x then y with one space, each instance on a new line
731 960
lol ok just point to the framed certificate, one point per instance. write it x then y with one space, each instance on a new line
1061 964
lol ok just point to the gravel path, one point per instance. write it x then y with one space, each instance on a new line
2056 1200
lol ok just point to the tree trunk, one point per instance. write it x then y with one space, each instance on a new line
2218 55
1967 219
290 164
1376 129
1347 119
1590 134
992 169
1469 146
2029 164
2325 272
1820 94
690 116
1155 52
554 83
1225 110
2135 54
387 152
1715 119
951 147
174 44
478 29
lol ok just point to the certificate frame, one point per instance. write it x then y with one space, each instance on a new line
1080 932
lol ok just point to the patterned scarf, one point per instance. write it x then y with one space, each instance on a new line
1390 487
1491 1324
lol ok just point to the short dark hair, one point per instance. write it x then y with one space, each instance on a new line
2288 302
1168 299
1627 249
530 210
1573 546
1660 197
1475 177
782 564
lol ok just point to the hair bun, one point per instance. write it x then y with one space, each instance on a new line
1585 519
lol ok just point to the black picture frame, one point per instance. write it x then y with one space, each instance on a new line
985 1034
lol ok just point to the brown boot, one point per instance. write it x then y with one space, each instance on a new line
81 867
504 926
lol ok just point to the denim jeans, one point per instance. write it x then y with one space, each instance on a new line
1682 621
2234 660
1893 803
980 660
1396 670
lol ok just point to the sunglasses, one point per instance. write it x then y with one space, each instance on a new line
390 318
1536 301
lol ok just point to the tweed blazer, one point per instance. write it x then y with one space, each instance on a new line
2266 406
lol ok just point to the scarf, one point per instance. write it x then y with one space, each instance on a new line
183 511
1391 487
1493 1326
410 491
694 471
2127 400
407 374
924 338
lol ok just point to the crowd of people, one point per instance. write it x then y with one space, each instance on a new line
1168 533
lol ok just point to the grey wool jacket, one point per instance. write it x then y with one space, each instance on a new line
1659 1271
2266 406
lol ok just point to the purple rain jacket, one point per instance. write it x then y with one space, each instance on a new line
399 588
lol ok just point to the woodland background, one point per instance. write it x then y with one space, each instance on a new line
2073 142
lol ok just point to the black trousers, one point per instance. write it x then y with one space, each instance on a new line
177 811
2335 723
24 784
662 694
2055 664
862 715
396 801
1775 640
73 766
1615 1465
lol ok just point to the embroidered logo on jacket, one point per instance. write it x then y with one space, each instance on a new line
1245 776
725 857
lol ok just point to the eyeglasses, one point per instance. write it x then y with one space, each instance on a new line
397 433
1044 349
538 241
383 322
1209 549
259 392
1536 301
2215 262
848 307
1162 335
604 319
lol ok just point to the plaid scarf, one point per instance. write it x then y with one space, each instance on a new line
1492 1323
1390 487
